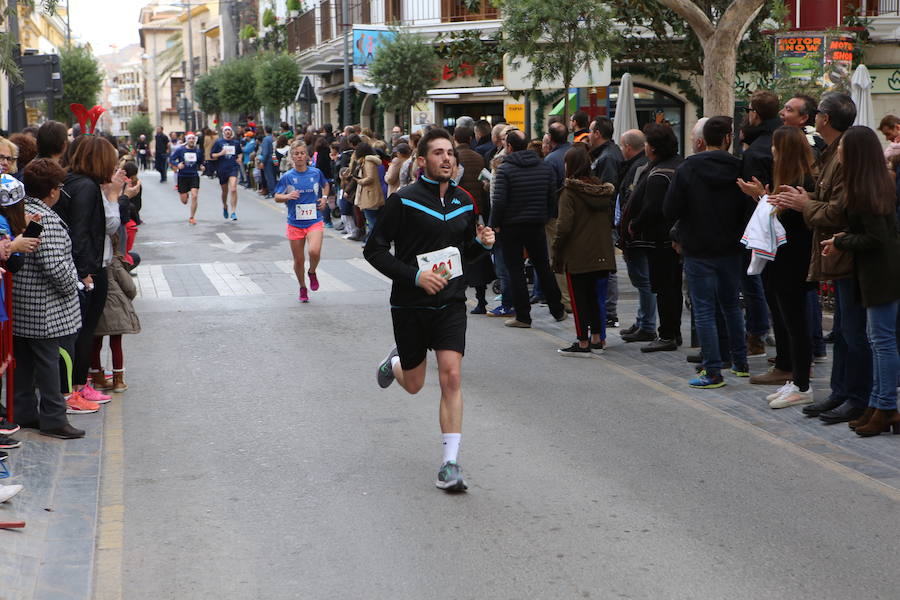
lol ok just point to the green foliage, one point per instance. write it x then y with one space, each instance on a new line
82 80
656 42
140 124
559 37
467 47
294 5
237 85
277 80
248 32
405 68
269 19
206 91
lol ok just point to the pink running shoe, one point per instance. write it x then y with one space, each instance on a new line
304 297
77 405
313 281
89 393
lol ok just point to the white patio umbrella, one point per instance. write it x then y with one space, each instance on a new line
626 113
861 92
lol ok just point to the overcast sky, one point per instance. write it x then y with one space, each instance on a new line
105 23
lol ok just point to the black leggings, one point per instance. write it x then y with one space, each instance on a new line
92 304
586 304
792 341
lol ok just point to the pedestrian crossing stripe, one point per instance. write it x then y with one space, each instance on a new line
252 278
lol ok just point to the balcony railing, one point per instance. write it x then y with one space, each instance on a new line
453 11
325 21
301 32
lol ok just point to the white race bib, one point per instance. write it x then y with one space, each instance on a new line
447 260
229 150
305 212
142 151
190 157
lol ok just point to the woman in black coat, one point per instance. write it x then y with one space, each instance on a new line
93 181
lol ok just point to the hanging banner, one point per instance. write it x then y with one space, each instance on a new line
814 56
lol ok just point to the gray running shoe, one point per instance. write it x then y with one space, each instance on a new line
450 478
385 373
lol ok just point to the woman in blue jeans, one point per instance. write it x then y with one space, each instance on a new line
872 239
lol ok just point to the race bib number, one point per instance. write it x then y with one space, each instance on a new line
446 262
229 150
190 157
142 151
305 212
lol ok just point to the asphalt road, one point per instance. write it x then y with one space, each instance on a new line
262 461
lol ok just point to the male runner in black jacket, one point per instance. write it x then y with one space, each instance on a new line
433 227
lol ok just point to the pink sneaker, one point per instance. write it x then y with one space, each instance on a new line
313 281
89 393
77 405
304 296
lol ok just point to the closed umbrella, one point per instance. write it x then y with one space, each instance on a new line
626 113
861 92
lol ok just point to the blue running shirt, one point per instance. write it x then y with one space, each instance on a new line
303 212
228 163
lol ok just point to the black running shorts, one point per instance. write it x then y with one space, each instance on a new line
418 330
186 184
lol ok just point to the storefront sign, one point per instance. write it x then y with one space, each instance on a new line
365 46
422 115
885 81
515 115
814 56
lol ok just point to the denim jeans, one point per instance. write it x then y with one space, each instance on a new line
814 316
502 274
754 303
371 215
881 327
712 281
270 174
851 370
639 274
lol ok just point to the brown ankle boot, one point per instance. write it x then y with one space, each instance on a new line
119 384
881 421
99 381
862 420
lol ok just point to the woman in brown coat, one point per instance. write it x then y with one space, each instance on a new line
583 249
369 184
118 318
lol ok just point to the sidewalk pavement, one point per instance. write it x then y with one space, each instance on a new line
52 558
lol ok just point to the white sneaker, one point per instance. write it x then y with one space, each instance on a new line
786 388
794 398
8 491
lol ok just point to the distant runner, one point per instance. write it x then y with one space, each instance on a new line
305 191
187 161
226 151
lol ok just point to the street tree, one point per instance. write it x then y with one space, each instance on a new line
82 80
237 92
206 92
719 34
558 37
405 68
140 124
277 80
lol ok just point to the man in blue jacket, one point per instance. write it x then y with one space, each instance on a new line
265 156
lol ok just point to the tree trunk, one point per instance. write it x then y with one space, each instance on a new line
719 66
720 44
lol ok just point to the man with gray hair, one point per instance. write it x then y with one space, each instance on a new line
635 163
465 121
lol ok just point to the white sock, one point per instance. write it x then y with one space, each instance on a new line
451 446
395 360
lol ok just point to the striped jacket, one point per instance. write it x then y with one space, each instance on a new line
45 296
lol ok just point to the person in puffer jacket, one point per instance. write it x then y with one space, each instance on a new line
523 199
